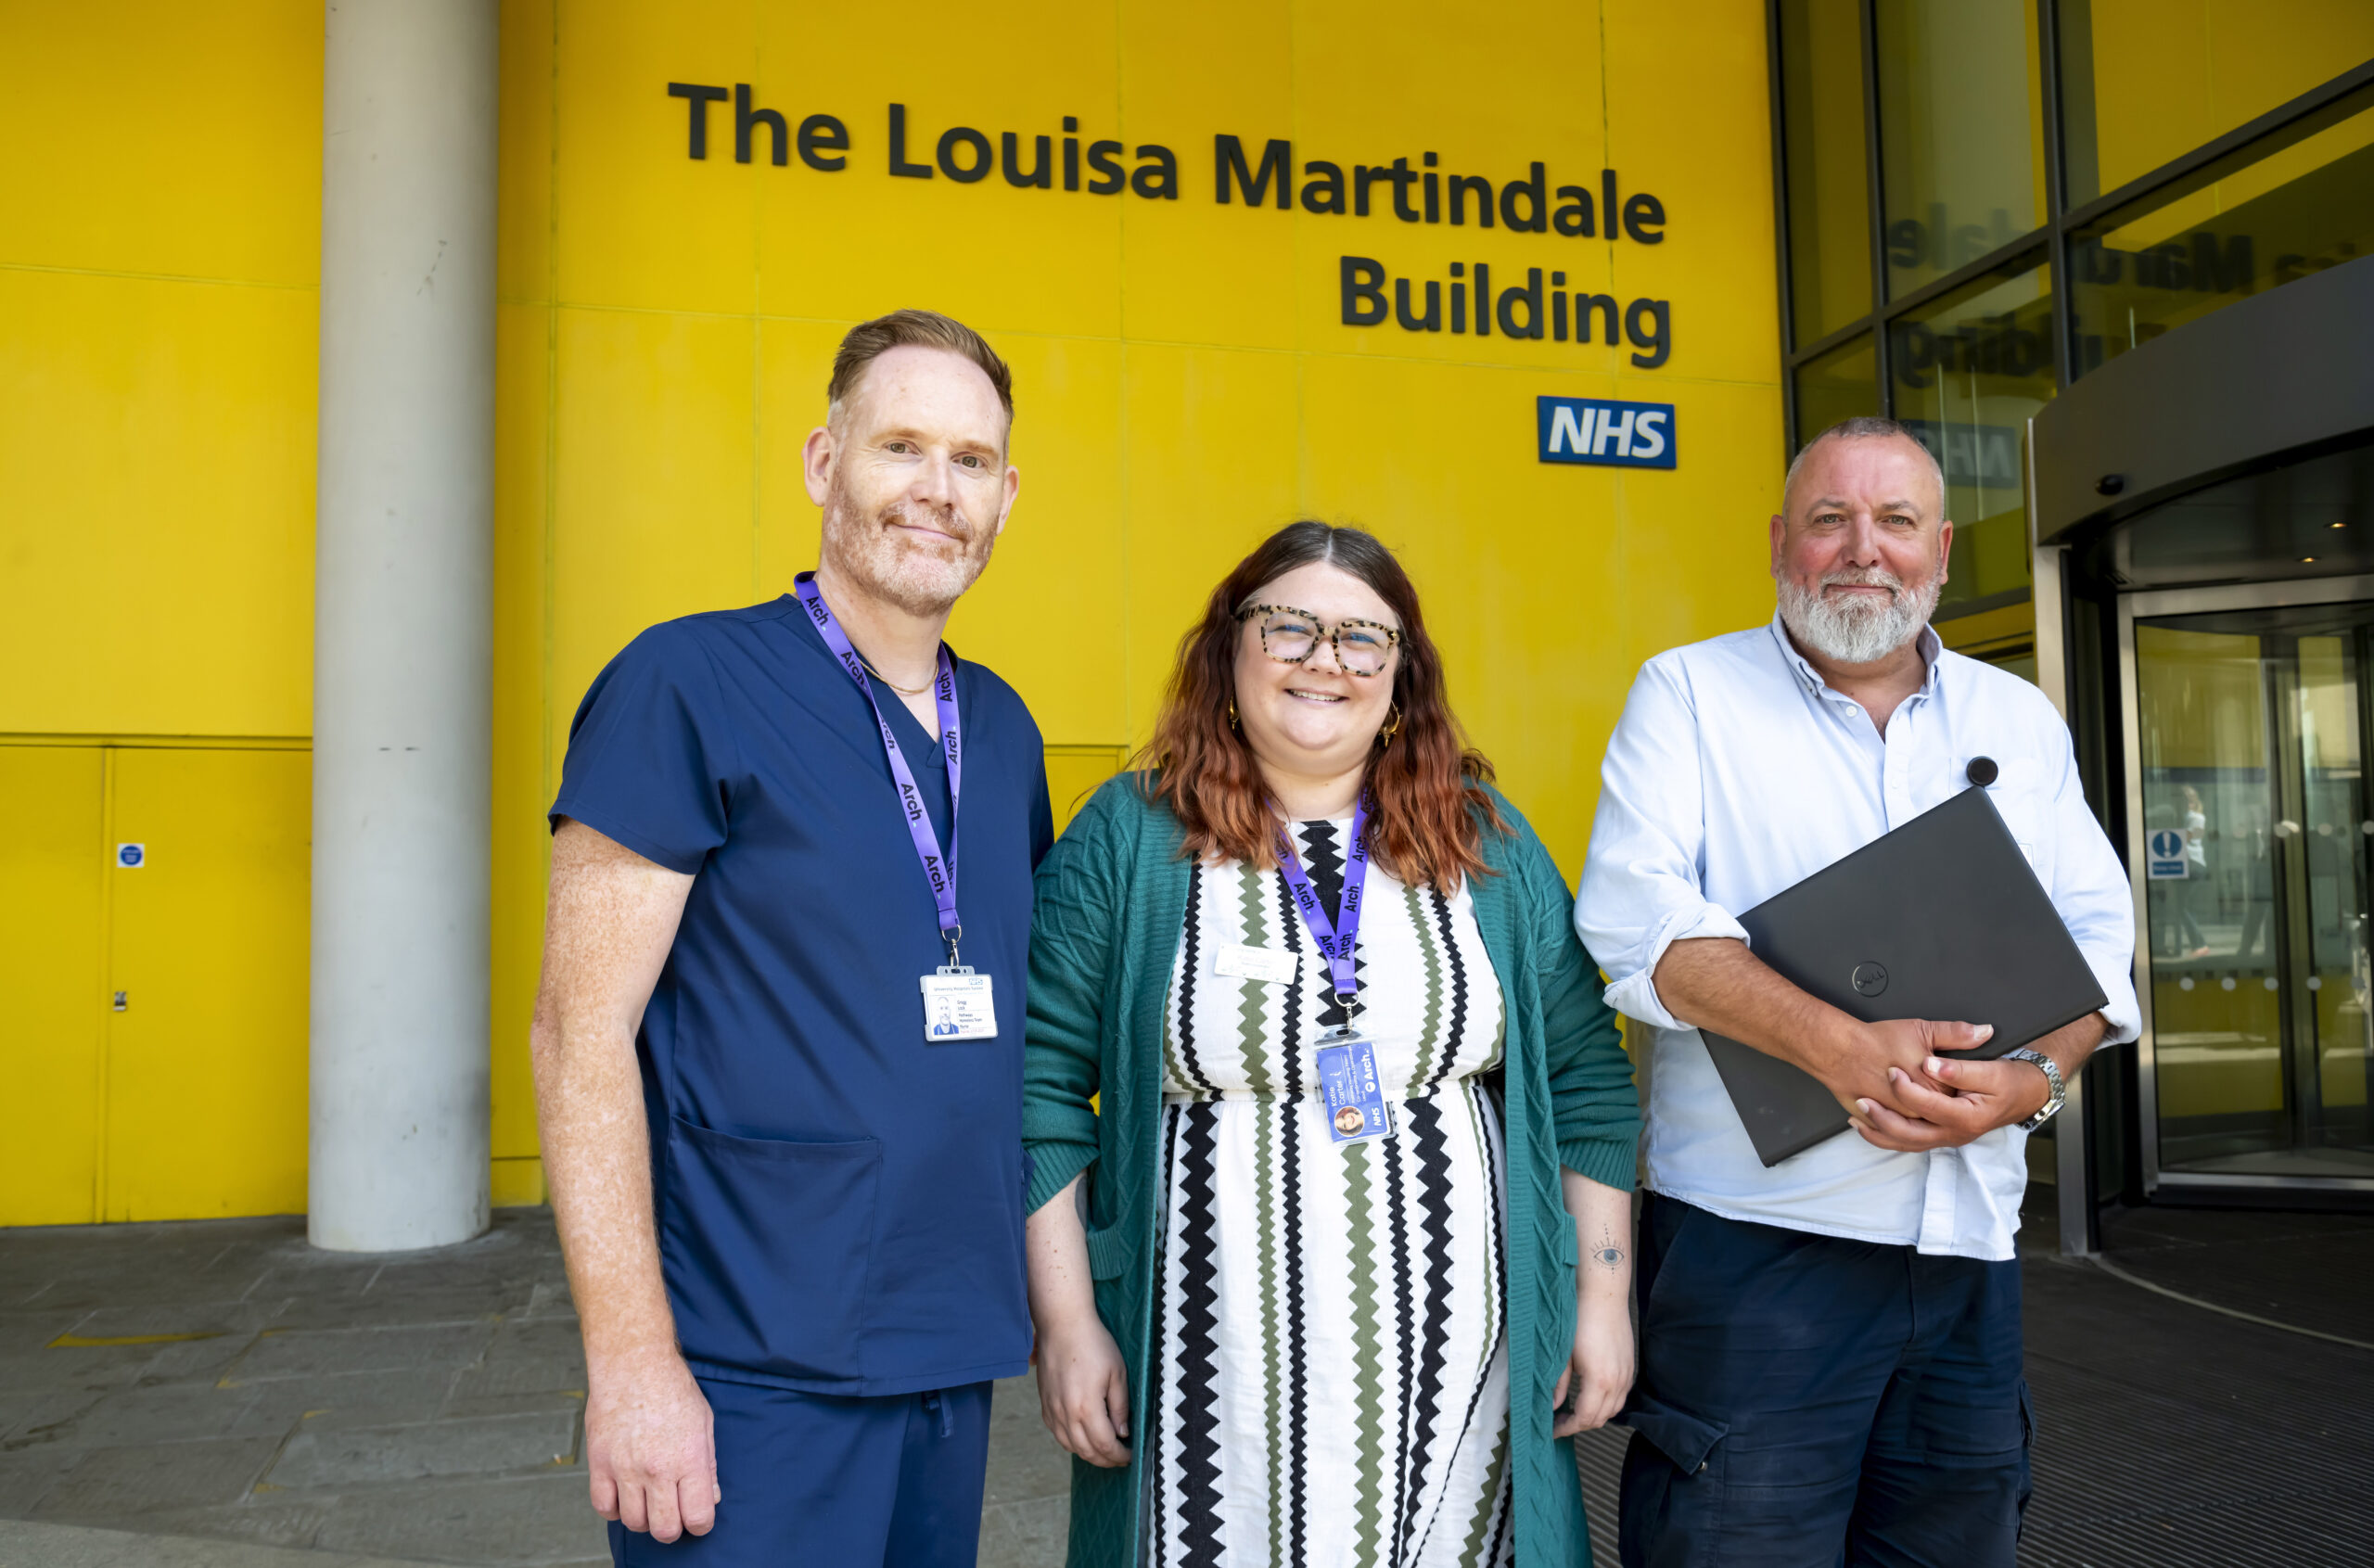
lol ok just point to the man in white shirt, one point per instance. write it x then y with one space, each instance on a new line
1830 1353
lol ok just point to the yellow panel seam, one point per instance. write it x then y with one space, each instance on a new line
157 277
163 743
101 1109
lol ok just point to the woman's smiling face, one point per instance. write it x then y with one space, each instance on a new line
1314 718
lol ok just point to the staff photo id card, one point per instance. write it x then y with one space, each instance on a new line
1355 1108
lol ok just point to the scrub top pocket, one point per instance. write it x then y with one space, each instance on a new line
768 1244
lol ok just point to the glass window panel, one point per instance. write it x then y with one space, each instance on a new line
2252 726
2212 932
2145 82
1969 369
1830 192
2177 256
1961 162
1838 385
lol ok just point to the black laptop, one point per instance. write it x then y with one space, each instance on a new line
1942 919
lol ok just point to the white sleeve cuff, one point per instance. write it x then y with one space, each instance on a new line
2121 1012
1636 996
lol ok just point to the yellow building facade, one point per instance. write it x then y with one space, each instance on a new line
1190 374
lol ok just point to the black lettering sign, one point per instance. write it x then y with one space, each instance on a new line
1227 158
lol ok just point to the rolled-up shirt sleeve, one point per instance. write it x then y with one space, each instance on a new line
1642 884
2092 895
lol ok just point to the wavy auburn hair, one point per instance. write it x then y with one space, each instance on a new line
1428 807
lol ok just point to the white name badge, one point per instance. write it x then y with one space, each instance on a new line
958 1005
1274 965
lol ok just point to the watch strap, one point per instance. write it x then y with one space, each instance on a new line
2052 1076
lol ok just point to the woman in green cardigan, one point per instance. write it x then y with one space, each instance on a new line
1310 1291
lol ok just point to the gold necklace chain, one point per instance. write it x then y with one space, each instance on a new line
902 691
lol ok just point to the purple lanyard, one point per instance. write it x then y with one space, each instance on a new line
1339 937
940 870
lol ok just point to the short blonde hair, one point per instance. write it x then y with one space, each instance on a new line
869 340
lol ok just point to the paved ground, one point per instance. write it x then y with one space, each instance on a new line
219 1396
222 1380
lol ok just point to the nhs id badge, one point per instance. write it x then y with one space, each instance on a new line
958 1004
1355 1108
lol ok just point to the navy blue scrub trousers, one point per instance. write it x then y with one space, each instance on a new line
1805 1402
894 1481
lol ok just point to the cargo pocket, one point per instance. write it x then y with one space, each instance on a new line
1684 1439
770 1244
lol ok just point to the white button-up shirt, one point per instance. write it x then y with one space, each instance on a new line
1735 772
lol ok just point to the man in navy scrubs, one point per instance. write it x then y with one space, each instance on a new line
778 1044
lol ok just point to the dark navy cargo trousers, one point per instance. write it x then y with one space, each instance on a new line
1806 1402
887 1483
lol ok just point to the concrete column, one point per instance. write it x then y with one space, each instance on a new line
403 634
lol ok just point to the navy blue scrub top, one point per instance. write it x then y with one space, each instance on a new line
839 1200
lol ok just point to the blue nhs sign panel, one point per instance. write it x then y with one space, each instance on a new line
1614 435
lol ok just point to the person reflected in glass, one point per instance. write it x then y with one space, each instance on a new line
2191 940
1275 1325
2258 890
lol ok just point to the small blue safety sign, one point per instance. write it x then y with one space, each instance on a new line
2164 852
132 857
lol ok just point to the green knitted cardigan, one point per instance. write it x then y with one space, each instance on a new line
1111 902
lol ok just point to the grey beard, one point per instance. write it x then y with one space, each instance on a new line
1852 633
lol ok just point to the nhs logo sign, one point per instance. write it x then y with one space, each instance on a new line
1615 435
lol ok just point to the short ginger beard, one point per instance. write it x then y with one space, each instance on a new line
920 579
1852 631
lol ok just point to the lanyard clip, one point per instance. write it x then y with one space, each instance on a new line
951 937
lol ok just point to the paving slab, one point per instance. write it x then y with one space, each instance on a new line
97 1369
27 1419
167 1322
261 1517
27 1473
536 1357
531 1522
104 1485
424 1348
335 1399
29 1329
156 1413
474 1446
25 1544
549 1299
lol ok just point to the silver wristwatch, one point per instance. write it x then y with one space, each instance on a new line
2052 1076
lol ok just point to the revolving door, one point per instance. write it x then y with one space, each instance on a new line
2250 717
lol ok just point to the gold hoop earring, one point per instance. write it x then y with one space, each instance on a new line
1392 724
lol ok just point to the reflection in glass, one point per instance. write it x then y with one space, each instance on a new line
1969 369
1830 192
2145 82
2203 246
1961 161
1835 386
2257 830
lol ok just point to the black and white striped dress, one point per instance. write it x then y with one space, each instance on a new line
1331 1356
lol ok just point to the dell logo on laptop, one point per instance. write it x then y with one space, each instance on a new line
1868 979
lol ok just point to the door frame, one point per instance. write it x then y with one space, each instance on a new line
2150 606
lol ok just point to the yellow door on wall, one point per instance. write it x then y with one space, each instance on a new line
206 1061
53 863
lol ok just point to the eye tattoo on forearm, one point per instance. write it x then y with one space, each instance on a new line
1609 1255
